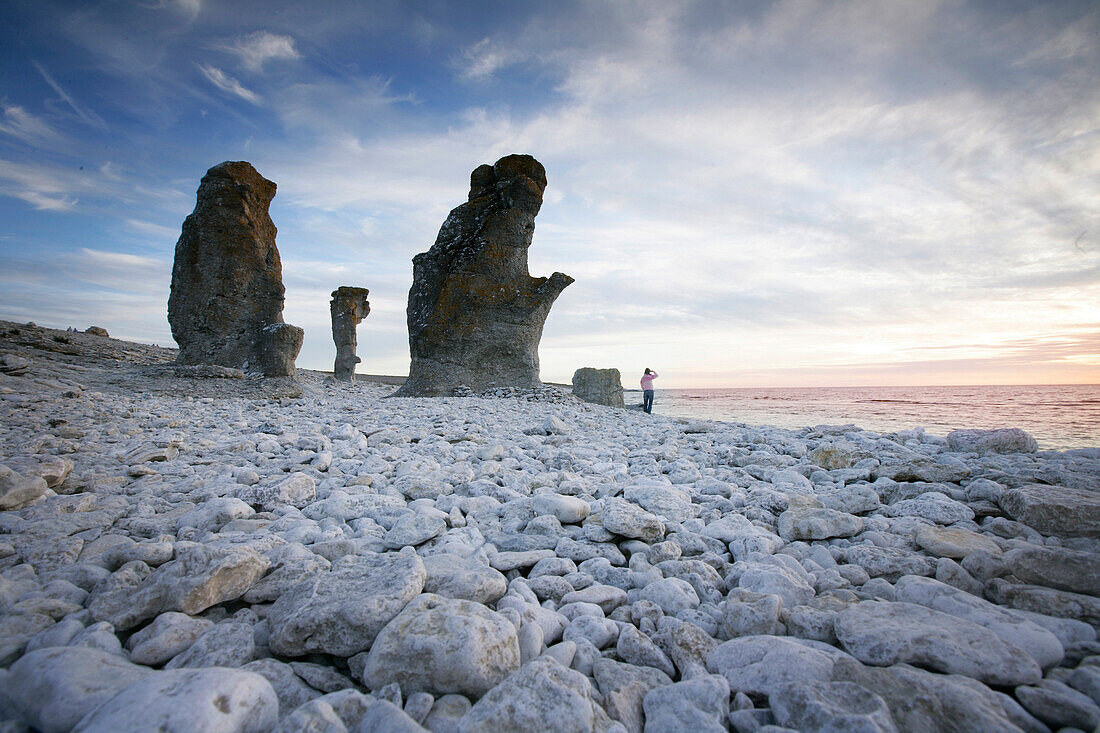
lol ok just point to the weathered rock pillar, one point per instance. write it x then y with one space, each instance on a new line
599 386
226 305
475 313
348 307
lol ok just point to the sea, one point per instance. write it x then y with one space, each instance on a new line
1059 417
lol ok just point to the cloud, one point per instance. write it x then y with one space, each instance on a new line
256 49
483 59
85 114
739 189
22 125
228 84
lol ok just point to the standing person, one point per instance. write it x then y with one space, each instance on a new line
647 389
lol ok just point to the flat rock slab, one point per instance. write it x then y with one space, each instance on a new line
884 633
182 700
53 688
443 645
342 611
982 442
830 706
761 665
1056 567
1012 626
1054 510
953 542
200 577
815 523
889 563
925 702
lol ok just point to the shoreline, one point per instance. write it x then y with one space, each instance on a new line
198 535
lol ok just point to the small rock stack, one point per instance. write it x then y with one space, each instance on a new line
348 307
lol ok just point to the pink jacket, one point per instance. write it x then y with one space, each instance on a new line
647 380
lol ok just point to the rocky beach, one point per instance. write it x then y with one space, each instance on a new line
183 548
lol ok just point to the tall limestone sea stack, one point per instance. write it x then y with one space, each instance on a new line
475 313
349 306
226 306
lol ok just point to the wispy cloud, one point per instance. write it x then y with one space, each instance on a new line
22 125
86 115
228 84
483 59
256 49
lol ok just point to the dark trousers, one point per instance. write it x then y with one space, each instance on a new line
647 400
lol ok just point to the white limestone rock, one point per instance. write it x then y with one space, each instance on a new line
624 688
293 563
568 509
933 506
634 647
18 491
463 577
214 513
541 695
1056 567
169 634
745 613
673 595
342 611
700 705
315 716
888 563
629 520
413 529
885 633
983 442
775 578
1054 510
815 523
953 542
291 690
761 665
927 702
607 597
1014 628
666 502
180 700
443 645
52 689
226 644
201 576
819 706
1059 705
296 490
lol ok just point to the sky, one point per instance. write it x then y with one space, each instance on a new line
748 194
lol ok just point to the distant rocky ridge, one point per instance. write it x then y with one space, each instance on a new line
196 553
475 314
226 304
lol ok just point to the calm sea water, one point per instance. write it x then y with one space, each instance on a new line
1058 416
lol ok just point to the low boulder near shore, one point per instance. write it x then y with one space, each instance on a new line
599 386
184 551
1004 440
